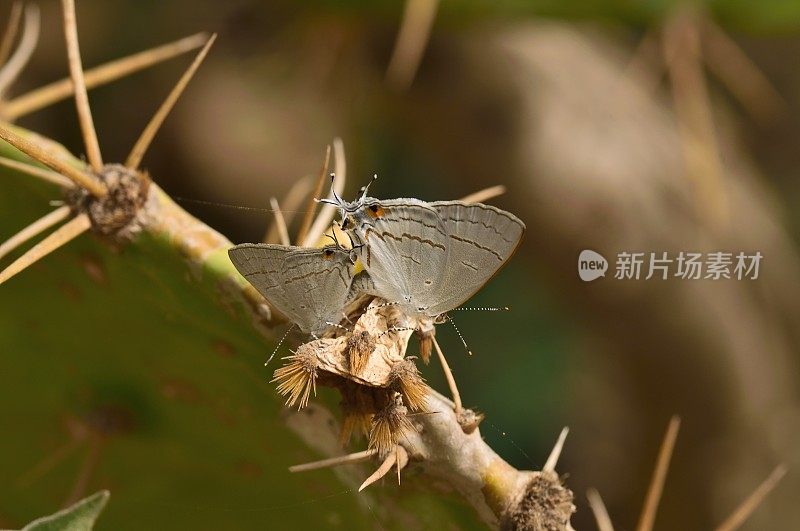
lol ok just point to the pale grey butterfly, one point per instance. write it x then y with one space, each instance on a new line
308 285
429 258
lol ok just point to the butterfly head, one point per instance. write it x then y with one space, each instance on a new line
358 213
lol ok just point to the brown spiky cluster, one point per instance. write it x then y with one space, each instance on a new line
298 378
546 505
406 379
113 212
359 348
359 404
389 424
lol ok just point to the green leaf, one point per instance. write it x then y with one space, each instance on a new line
78 517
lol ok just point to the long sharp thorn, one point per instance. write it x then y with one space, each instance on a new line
415 30
80 177
30 36
79 84
335 461
552 460
62 235
327 212
400 457
648 517
140 148
599 510
291 203
451 381
749 505
35 171
740 74
280 223
35 228
484 195
12 27
99 75
312 204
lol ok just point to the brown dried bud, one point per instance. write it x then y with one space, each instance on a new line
469 420
389 424
406 379
425 332
298 377
546 504
360 346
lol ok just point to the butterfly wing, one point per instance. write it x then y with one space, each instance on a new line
317 282
405 251
481 239
307 285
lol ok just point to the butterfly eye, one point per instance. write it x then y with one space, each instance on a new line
328 253
346 224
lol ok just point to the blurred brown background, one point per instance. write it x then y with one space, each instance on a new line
614 128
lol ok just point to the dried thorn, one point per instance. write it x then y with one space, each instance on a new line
99 75
30 37
35 228
646 65
484 195
35 171
451 381
399 457
280 223
79 83
312 204
327 212
550 464
140 148
356 457
740 74
88 467
695 119
599 511
291 203
743 512
415 31
10 34
648 517
298 378
80 177
64 234
48 463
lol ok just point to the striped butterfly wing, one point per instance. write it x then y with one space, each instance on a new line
307 285
405 251
481 239
317 283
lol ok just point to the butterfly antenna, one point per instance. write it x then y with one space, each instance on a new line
337 325
333 190
279 345
332 235
395 329
482 309
459 335
336 201
362 193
